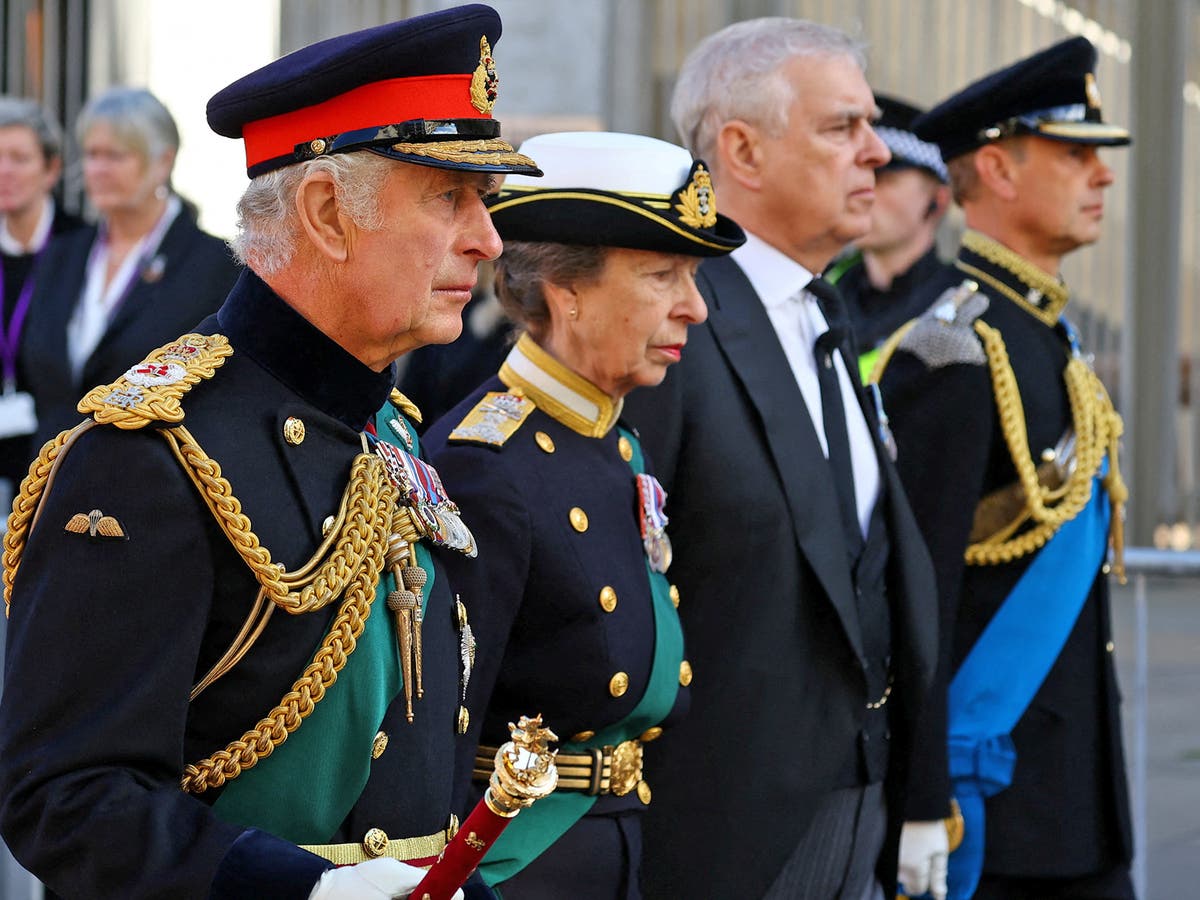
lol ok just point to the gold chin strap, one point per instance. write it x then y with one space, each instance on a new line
1097 428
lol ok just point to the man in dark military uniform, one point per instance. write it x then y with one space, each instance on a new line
882 279
1007 448
207 695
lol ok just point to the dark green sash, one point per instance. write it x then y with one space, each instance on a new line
534 829
305 789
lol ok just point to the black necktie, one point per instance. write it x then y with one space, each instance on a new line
833 410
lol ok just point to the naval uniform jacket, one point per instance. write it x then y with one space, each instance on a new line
1066 812
166 300
106 638
571 606
768 607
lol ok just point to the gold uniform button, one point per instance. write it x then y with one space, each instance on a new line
327 525
293 431
579 519
375 842
653 733
625 448
582 736
379 745
464 720
619 684
608 598
544 441
674 596
1110 646
643 792
685 673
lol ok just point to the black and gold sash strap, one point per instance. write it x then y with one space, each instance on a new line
1097 430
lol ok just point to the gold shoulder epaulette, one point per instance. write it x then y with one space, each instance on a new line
151 391
494 419
405 406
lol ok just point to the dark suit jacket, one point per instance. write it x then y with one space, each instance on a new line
768 608
199 271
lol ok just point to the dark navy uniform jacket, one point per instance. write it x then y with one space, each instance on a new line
106 638
542 588
1066 812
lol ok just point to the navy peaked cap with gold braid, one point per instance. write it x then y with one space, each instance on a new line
419 90
1051 94
615 190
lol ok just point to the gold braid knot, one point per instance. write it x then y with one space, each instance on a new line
1097 428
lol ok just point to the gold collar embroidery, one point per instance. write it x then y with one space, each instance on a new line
566 396
1044 296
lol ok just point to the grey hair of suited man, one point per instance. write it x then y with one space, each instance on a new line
525 266
21 112
268 227
138 120
736 73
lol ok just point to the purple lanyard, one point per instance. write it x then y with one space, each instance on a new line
10 333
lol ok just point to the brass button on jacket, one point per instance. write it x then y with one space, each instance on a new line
619 684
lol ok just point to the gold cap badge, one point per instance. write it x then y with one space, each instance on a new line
483 80
1092 90
697 206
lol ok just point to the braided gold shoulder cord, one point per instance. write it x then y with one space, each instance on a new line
351 571
1097 428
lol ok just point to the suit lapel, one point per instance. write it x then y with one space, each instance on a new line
744 333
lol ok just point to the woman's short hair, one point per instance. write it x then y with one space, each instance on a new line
525 266
138 119
268 230
26 113
736 73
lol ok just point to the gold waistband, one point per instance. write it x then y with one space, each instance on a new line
376 843
604 770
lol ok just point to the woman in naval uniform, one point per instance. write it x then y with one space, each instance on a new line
598 270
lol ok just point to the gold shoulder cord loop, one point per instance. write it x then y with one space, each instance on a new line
27 503
888 350
1097 428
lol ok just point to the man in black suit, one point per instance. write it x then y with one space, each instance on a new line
806 594
1007 443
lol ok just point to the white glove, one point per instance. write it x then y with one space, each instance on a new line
924 856
378 879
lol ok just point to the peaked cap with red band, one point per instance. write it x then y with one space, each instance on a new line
419 90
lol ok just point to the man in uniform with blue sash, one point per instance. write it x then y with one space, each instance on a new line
1008 451
234 670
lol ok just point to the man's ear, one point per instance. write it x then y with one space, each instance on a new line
320 217
739 150
996 167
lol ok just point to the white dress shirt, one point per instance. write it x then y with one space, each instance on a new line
779 282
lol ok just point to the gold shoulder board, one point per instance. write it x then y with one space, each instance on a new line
151 391
494 419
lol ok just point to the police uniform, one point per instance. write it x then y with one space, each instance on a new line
207 694
572 549
874 313
994 408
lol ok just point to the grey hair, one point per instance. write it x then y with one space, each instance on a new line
736 73
525 266
22 112
268 229
139 120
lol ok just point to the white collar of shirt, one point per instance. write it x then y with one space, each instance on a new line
797 319
12 247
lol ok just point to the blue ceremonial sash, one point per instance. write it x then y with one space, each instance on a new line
998 680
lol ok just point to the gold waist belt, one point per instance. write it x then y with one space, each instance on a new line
376 843
604 770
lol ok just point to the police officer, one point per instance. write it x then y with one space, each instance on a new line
882 279
207 693
1007 448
